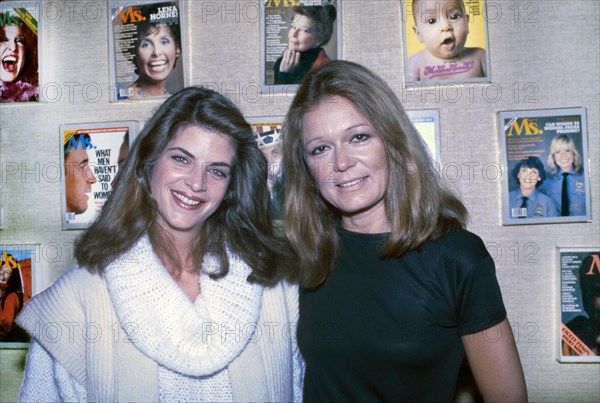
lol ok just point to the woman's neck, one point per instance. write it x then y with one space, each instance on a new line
189 282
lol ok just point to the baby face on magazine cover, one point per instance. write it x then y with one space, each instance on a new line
442 26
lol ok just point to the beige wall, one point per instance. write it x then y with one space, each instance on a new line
557 54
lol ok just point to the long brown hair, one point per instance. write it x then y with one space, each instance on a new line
240 224
418 205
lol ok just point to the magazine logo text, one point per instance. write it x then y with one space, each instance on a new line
526 126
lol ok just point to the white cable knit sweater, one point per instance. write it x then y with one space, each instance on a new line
133 335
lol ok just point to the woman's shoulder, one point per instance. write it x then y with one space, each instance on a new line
460 237
77 280
461 247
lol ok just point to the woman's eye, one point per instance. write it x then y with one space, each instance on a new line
361 137
179 159
20 39
144 44
165 42
219 174
318 150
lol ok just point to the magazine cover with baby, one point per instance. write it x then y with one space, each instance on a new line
579 305
545 166
445 41
92 154
20 50
296 37
147 49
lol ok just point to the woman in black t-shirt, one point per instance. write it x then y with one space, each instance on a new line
395 291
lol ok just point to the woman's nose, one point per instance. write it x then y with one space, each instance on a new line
343 160
196 180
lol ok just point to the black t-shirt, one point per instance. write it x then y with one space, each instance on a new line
389 330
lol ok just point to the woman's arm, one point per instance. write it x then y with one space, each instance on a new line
495 363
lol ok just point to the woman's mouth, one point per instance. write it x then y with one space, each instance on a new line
9 64
351 183
158 65
186 201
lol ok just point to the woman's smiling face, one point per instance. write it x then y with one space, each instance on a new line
156 54
191 179
12 53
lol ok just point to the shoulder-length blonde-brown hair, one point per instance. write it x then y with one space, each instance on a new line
418 205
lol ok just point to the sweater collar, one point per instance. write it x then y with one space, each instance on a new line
192 338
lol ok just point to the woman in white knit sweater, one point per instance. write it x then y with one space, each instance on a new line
176 294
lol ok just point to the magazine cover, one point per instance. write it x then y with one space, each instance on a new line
445 41
20 33
579 307
267 131
18 268
427 123
295 37
92 154
146 49
545 164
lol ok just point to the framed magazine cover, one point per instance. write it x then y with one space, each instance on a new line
19 273
427 123
296 36
579 305
267 132
434 53
147 49
21 32
92 155
545 165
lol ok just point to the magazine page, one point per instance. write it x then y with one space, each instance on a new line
146 49
545 162
427 123
295 37
445 41
92 155
579 282
267 132
18 268
20 48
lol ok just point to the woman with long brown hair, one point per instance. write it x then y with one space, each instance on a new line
175 294
395 291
